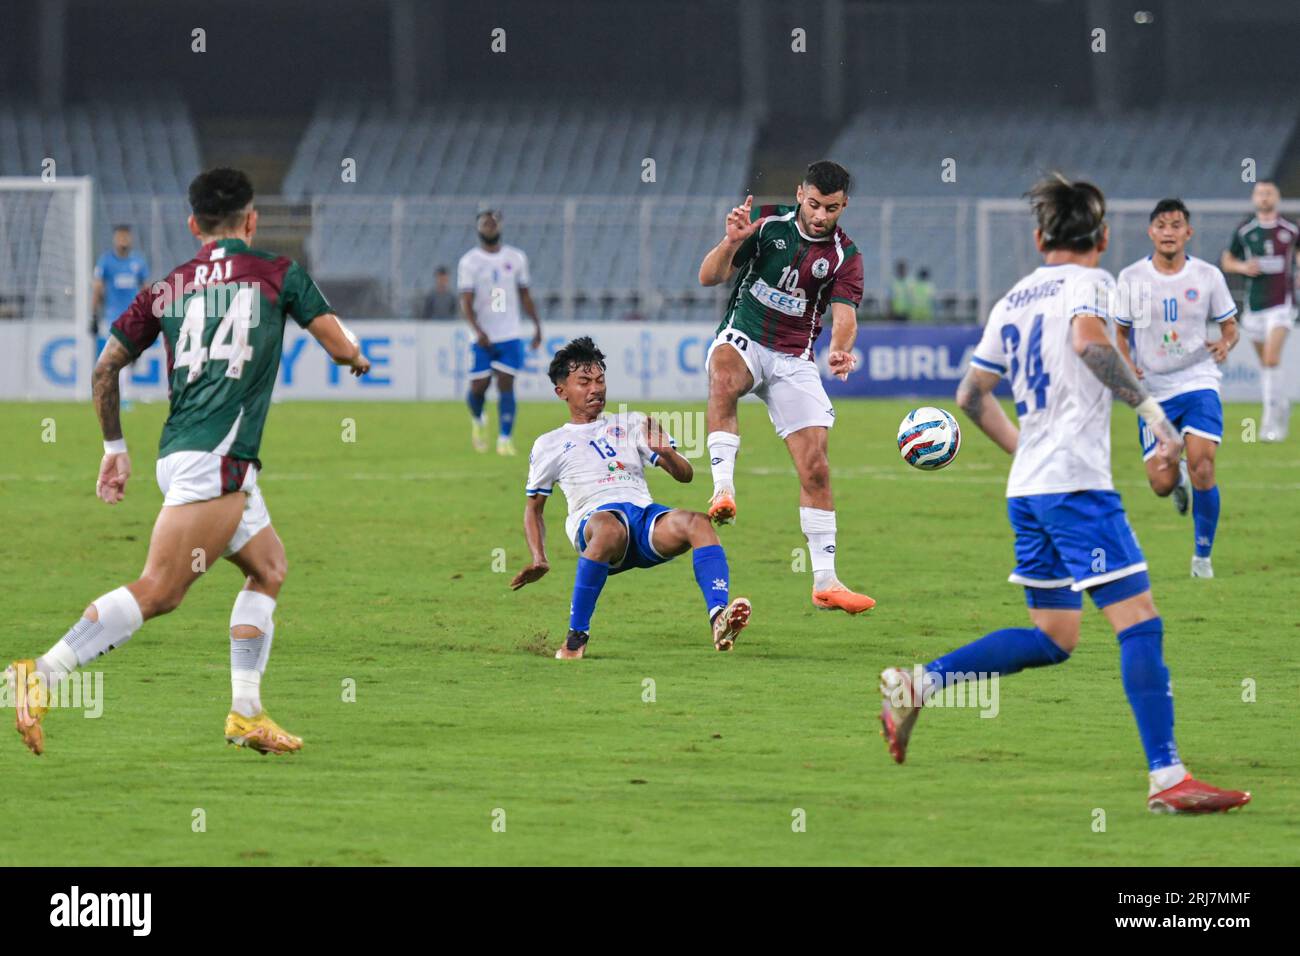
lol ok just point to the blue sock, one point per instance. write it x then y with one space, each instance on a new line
1002 652
586 589
506 412
712 576
1205 519
1146 682
475 403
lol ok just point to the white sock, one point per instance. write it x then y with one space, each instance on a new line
248 656
1281 398
1268 378
723 449
819 528
60 660
119 618
1166 777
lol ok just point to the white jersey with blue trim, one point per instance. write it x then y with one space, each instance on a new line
495 278
593 464
1063 410
1168 315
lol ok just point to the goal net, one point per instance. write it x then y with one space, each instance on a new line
45 280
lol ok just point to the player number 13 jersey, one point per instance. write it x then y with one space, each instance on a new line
594 464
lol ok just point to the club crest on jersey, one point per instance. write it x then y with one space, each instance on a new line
1192 295
820 268
615 431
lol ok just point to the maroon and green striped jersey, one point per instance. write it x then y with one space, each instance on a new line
1273 247
787 281
222 317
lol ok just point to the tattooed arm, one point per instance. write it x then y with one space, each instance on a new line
975 396
115 469
1093 346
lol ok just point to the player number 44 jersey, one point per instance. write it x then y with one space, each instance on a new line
1063 410
222 316
1166 316
593 464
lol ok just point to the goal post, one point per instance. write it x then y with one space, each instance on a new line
1004 237
45 285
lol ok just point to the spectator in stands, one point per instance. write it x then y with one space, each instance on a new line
900 294
921 298
119 275
441 302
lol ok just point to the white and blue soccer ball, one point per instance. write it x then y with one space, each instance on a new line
928 438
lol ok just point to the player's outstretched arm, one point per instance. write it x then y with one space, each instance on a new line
115 468
535 535
844 332
975 398
719 263
339 342
1093 346
666 456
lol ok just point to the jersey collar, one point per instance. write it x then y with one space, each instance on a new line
1151 264
808 238
230 245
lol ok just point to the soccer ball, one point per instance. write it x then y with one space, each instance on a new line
928 438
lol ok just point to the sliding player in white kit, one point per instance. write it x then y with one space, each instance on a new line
599 462
1165 303
1049 335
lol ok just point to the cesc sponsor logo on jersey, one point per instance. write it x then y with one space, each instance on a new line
787 303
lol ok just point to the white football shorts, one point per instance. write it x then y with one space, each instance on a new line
791 387
188 476
1257 325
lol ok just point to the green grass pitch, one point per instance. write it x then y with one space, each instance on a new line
396 583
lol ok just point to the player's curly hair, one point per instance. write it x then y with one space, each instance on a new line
828 177
1070 214
579 353
218 196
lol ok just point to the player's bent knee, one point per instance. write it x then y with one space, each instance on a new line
271 578
816 473
1162 486
1067 639
701 531
156 599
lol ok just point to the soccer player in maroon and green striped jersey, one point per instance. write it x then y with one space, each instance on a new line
791 264
222 315
1264 249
